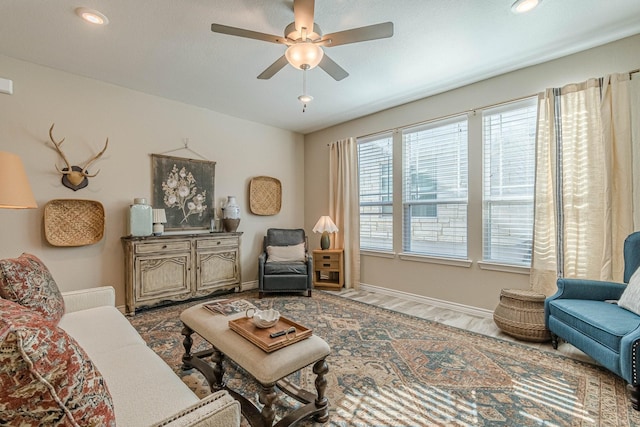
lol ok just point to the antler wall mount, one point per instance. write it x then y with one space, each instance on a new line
75 177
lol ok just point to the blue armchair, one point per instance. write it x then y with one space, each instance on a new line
581 313
282 275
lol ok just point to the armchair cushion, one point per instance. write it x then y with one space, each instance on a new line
27 281
630 298
44 370
287 253
285 268
603 322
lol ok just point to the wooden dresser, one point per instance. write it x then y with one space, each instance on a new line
160 269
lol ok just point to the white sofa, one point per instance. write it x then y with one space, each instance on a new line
144 389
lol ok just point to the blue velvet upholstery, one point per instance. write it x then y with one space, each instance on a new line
294 276
581 313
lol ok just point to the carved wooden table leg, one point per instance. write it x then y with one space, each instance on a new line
187 342
267 397
322 403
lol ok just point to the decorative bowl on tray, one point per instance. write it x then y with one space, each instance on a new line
264 318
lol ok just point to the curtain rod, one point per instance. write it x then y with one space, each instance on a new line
637 70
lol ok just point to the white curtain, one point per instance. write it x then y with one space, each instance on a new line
344 207
635 137
583 194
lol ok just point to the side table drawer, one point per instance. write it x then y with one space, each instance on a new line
326 264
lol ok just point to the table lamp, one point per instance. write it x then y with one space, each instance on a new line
325 226
15 190
159 219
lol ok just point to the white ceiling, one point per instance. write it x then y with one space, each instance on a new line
166 48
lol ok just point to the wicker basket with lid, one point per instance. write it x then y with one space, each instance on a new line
520 314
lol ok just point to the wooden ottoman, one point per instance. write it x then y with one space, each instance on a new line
520 314
268 369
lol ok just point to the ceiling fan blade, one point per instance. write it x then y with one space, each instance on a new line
333 69
240 32
273 68
303 14
371 32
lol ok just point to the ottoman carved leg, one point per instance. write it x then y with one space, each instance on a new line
267 397
322 403
187 342
218 371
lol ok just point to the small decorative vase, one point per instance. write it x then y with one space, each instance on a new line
140 218
231 215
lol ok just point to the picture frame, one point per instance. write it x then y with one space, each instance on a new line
185 189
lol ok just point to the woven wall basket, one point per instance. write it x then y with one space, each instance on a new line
73 222
265 195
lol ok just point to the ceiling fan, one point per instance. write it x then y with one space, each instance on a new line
305 41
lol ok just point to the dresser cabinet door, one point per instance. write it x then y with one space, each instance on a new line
162 277
216 269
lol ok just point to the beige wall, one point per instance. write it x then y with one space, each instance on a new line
86 112
468 286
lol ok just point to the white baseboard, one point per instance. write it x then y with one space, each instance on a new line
245 286
467 309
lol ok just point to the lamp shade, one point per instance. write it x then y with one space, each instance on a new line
305 53
325 224
15 190
159 216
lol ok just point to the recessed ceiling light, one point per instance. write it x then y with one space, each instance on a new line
523 6
92 16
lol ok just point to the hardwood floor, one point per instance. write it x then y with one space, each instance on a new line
481 325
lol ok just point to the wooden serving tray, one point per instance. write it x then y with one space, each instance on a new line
260 337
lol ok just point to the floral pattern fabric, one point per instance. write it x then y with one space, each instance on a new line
27 281
46 378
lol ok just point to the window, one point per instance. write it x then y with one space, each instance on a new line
375 169
435 188
509 134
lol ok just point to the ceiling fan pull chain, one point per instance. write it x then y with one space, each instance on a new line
304 98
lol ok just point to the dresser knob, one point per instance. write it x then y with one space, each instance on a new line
164 247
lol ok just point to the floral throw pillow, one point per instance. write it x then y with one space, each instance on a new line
27 281
46 378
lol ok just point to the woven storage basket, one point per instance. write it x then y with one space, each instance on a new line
73 222
520 314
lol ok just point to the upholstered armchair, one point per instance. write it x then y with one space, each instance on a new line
285 264
584 313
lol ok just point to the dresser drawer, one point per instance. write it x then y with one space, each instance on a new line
216 242
147 248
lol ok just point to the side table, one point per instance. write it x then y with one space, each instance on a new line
520 314
328 268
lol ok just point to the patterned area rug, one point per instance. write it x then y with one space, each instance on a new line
391 369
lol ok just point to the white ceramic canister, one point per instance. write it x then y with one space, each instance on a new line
140 218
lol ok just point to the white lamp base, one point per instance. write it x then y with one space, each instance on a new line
158 229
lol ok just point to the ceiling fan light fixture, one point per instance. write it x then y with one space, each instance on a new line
524 6
305 53
305 99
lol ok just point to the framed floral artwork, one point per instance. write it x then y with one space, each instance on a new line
184 188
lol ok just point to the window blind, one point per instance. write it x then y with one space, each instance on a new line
509 133
375 171
435 187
